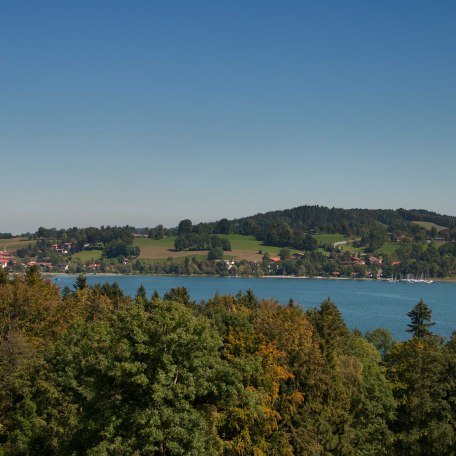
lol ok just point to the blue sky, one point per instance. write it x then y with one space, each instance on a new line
151 112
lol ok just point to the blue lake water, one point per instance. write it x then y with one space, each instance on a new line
365 305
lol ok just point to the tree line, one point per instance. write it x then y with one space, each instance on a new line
92 371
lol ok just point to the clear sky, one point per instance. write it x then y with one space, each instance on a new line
150 112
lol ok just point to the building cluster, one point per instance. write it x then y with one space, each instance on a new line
62 248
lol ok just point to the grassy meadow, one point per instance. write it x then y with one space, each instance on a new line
429 225
243 248
15 243
329 238
88 255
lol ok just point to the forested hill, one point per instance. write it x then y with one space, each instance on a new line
331 220
337 220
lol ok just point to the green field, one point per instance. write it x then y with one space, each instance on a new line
329 238
15 243
243 247
429 225
388 248
250 244
88 255
349 248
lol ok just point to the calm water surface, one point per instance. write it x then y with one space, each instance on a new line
365 305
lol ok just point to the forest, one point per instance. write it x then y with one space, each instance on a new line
92 371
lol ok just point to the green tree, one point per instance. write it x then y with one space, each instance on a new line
157 233
136 383
177 294
81 282
3 276
279 233
184 227
309 243
284 254
381 339
223 226
141 295
215 253
330 326
423 425
420 317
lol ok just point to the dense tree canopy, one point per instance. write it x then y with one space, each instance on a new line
92 371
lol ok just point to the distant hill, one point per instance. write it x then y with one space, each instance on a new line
337 220
299 221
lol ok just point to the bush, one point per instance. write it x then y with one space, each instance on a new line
215 254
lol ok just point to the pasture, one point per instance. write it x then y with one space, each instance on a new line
388 248
329 238
88 255
243 248
429 225
15 243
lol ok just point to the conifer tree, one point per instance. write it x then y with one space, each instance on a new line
81 282
420 317
141 296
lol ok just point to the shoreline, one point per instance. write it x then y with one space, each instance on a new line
110 274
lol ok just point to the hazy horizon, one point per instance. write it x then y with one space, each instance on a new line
147 113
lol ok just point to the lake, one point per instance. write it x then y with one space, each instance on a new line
365 304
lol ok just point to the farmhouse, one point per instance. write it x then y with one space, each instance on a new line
274 259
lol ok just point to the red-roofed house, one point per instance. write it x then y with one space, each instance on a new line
375 260
358 260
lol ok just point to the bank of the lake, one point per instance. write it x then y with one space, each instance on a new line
365 304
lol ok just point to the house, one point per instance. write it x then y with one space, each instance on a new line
358 260
43 264
375 260
94 266
6 258
274 259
